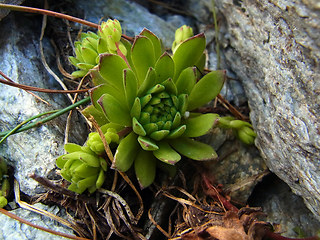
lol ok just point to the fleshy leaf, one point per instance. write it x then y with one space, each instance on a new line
137 127
149 81
155 41
200 125
126 152
166 154
186 80
206 89
147 144
193 149
114 110
96 114
111 69
188 53
130 84
145 168
164 67
159 135
170 86
97 92
136 108
142 56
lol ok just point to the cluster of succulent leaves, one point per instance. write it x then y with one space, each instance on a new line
4 183
154 94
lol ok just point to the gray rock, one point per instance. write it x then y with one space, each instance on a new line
284 208
4 12
13 229
132 16
239 167
274 48
35 150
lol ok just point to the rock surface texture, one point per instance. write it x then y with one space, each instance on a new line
274 48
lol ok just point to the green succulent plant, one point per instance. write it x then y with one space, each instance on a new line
242 130
90 45
4 183
85 166
153 96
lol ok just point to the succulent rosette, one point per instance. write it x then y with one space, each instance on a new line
154 94
85 166
90 45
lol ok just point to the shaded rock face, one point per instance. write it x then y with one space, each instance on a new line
4 12
274 48
35 150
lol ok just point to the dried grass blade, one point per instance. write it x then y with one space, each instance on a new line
43 212
157 225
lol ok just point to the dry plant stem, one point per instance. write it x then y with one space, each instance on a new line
49 13
43 59
41 211
213 192
7 78
157 225
54 14
36 89
45 182
66 134
231 108
103 138
94 230
21 220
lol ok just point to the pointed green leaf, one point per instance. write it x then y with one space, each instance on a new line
200 65
85 66
102 46
136 108
79 73
149 81
183 103
155 42
193 149
142 56
186 80
200 125
166 154
89 55
97 92
170 86
137 127
130 84
72 147
126 152
73 60
159 135
97 79
60 162
96 114
164 67
188 53
177 132
206 89
145 168
147 144
111 69
114 110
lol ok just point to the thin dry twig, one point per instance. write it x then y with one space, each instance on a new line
29 207
36 96
157 225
